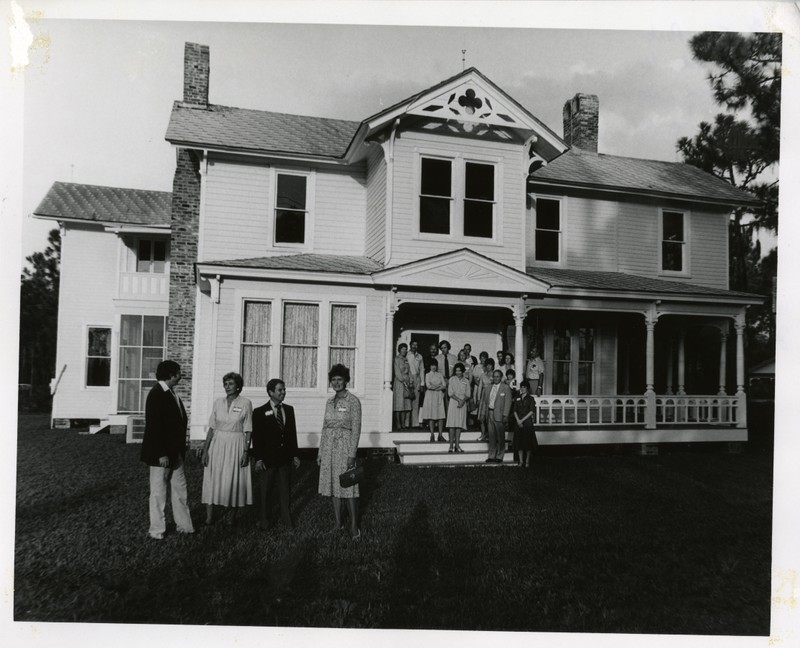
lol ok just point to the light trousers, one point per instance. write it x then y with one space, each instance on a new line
496 431
174 479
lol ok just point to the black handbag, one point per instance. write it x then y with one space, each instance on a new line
351 477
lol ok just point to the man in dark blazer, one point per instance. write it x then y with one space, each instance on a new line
274 450
164 449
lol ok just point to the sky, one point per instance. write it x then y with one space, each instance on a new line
91 105
98 94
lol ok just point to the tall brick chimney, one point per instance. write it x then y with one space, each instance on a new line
195 73
581 116
185 226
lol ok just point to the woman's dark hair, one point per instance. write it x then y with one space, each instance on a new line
434 364
273 383
232 375
459 365
508 355
166 369
483 354
525 384
401 345
339 370
511 372
490 362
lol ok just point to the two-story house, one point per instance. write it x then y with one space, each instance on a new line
297 242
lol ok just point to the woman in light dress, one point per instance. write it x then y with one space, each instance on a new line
433 406
341 430
226 476
401 388
458 390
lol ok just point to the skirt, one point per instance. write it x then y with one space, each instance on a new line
456 416
525 438
433 407
225 482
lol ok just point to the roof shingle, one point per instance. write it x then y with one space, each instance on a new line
69 200
600 171
259 131
307 262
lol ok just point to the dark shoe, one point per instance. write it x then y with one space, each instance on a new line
450 450
489 460
356 537
441 439
433 438
185 531
459 449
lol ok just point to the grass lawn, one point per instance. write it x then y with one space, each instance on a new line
676 543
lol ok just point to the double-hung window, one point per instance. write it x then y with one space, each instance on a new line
291 208
547 230
256 345
98 357
142 345
300 344
674 243
457 198
344 329
151 255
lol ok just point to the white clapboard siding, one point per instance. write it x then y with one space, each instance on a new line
340 210
375 243
234 221
709 248
89 259
590 227
408 246
638 239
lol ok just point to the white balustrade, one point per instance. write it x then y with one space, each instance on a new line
143 285
697 410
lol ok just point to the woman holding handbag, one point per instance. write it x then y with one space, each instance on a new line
341 430
402 389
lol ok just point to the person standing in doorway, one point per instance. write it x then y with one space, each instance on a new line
534 371
274 452
164 450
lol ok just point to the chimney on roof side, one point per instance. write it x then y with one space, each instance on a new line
195 74
581 116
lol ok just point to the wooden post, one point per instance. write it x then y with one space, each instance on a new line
739 326
650 412
388 364
723 360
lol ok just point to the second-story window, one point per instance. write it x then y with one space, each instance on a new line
457 198
435 197
547 226
673 241
151 256
291 208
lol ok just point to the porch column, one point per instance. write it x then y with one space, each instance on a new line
519 321
670 358
650 395
723 360
739 326
682 363
386 399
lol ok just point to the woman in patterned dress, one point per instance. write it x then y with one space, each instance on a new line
401 387
484 383
433 406
341 429
226 477
458 391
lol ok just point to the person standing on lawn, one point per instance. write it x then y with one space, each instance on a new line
274 451
525 418
164 450
226 478
341 431
498 407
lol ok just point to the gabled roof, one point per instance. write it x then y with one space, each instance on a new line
82 202
258 131
619 282
305 262
581 169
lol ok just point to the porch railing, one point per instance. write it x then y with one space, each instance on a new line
699 410
632 410
591 410
143 285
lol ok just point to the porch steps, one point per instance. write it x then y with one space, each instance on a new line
415 449
102 426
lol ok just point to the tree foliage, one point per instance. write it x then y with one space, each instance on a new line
39 318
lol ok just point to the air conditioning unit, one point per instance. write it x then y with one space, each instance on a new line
135 432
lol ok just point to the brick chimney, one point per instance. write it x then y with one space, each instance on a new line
185 228
581 117
195 74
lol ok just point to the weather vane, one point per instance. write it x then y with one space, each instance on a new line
463 60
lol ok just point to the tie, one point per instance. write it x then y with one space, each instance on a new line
446 367
279 416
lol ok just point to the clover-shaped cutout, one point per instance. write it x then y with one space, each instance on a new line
469 102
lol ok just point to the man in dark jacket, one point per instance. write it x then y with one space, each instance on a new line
164 449
274 450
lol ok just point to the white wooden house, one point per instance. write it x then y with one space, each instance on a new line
295 242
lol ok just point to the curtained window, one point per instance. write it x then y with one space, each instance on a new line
256 345
299 350
342 350
142 342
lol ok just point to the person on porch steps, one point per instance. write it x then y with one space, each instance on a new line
498 406
402 389
458 391
415 367
482 385
433 407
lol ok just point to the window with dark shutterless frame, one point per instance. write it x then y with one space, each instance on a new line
290 208
98 357
673 241
435 200
547 227
479 200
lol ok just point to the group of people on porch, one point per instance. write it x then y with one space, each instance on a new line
460 392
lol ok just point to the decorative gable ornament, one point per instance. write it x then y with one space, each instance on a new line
470 104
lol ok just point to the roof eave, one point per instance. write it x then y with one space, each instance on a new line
742 300
206 269
99 222
261 153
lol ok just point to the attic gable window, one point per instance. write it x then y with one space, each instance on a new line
291 208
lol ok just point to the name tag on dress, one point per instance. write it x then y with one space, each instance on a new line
341 408
236 410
